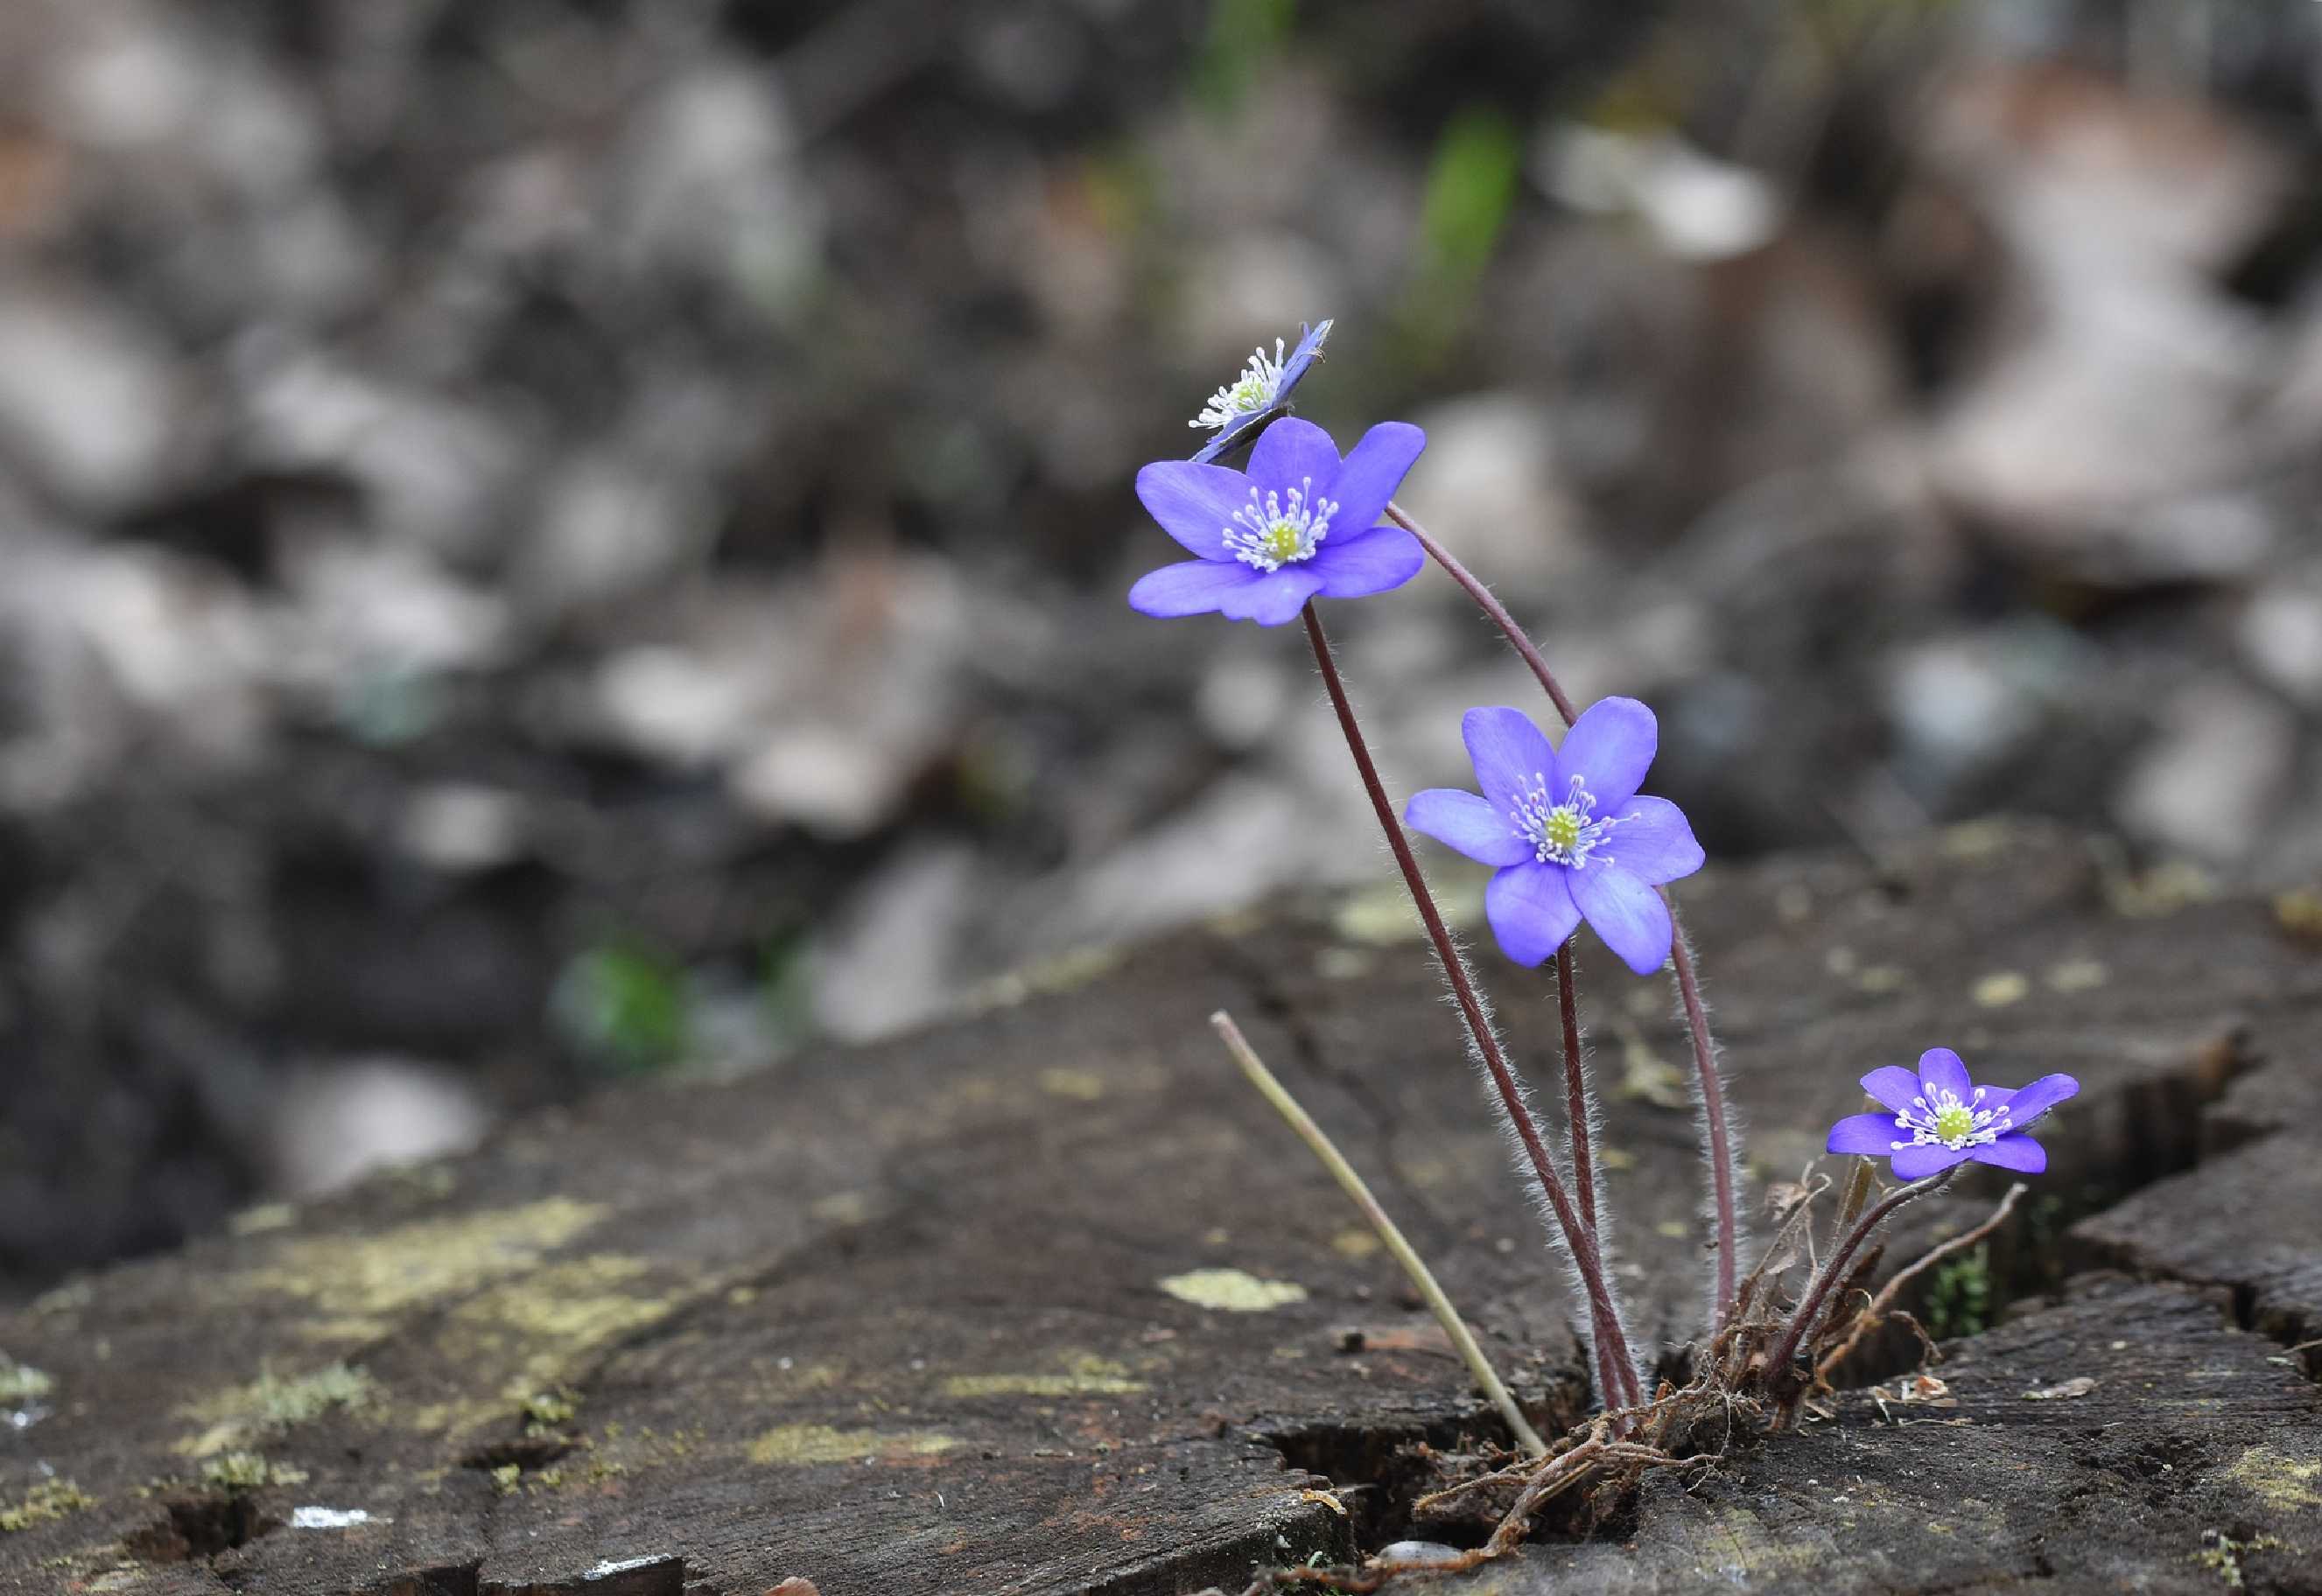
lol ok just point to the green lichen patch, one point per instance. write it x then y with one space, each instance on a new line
529 1337
408 1266
241 1415
46 1503
1232 1290
803 1445
550 1410
238 1472
20 1382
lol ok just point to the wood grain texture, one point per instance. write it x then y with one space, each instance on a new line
894 1319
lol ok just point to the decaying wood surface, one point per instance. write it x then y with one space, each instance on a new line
1042 1299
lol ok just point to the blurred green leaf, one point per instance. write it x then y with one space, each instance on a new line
1243 38
624 1008
1471 185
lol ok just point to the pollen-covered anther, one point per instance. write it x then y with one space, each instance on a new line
1567 833
1254 390
1280 529
1941 1119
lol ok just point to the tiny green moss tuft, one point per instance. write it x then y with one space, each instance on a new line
49 1501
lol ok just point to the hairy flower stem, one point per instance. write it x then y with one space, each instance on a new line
1618 1381
1715 1131
1389 1234
1809 1308
1582 1246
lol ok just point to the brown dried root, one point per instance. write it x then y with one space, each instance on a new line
1734 1390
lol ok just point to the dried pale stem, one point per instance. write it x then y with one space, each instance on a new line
1882 1304
1617 1381
1809 1308
1688 985
1389 1235
1714 1129
1471 1006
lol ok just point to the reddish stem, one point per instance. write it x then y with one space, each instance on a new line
1809 1308
1582 1245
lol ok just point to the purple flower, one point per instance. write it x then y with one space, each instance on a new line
1566 827
1261 392
1941 1118
1300 524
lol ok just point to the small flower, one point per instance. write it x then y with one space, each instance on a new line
1941 1118
1300 524
1566 827
1262 390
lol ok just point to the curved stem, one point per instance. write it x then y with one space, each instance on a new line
1390 1235
1809 1307
1490 604
1471 1007
1688 985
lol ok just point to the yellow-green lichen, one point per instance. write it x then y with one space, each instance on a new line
799 1444
1232 1290
2278 1479
373 1277
522 1337
46 1503
20 1382
548 1409
240 1414
237 1471
2001 989
1087 1375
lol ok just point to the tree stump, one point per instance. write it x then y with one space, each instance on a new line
1044 1300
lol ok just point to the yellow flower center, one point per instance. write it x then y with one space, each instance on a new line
1954 1123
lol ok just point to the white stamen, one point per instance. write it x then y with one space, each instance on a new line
1947 1122
1269 534
1567 833
1255 390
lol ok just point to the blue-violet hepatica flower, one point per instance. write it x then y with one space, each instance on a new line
1262 390
1571 837
1299 524
1940 1119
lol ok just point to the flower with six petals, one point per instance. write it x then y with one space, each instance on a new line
1571 837
1299 524
1939 1117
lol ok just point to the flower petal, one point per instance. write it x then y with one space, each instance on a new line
1275 597
1865 1136
1193 503
1530 911
1609 747
1291 453
1627 914
2030 1102
2020 1153
1917 1164
1940 1069
1461 820
1236 432
1652 841
1192 588
1509 753
1892 1085
1368 561
1373 470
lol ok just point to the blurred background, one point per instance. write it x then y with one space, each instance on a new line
544 541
